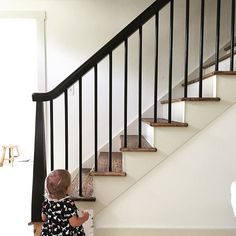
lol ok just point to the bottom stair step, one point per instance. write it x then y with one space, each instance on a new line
87 192
133 144
103 165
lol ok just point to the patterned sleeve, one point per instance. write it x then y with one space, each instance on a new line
44 206
70 208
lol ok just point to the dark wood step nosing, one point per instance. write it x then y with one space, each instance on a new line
193 99
83 199
123 149
164 123
108 173
210 75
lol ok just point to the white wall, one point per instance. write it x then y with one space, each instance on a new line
191 189
75 29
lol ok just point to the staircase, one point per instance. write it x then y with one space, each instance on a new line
116 174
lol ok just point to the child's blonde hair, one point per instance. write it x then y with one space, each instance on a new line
57 184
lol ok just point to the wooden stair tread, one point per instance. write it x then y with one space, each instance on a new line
193 99
211 74
222 58
103 165
108 173
163 123
132 144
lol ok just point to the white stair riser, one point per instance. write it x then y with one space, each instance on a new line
167 139
216 86
107 188
208 88
199 114
177 111
196 115
225 88
222 86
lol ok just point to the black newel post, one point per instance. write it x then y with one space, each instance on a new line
39 169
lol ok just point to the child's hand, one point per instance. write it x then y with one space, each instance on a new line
85 215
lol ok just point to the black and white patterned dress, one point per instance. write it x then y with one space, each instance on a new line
58 213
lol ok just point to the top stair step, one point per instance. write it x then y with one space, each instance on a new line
193 99
133 144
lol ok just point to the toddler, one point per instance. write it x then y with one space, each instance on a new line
59 212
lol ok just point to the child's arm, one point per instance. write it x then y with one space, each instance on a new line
76 221
44 217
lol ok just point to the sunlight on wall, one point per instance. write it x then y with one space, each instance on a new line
18 79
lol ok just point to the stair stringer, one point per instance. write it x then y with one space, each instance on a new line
188 193
167 140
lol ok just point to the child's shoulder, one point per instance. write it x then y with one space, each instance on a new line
68 200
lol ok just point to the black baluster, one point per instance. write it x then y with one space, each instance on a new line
66 130
232 35
186 50
110 112
170 58
125 92
140 88
80 139
156 65
217 46
51 135
201 46
96 117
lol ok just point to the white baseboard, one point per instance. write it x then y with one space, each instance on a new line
164 232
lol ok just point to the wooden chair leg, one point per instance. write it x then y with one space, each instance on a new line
3 155
11 154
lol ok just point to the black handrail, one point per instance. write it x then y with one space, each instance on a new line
103 52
